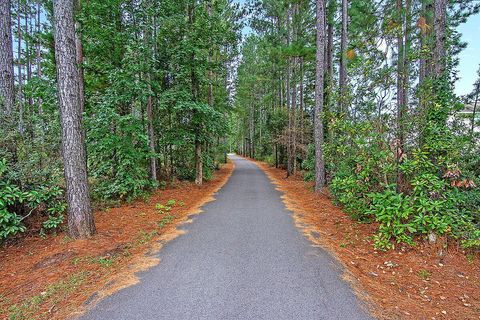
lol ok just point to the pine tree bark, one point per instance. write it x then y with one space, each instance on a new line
195 92
19 69
318 121
474 114
151 139
38 52
28 55
330 17
7 97
343 56
80 217
402 81
150 39
439 51
79 56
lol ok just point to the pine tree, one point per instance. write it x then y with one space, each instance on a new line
318 120
80 216
7 97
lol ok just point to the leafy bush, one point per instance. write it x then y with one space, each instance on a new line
393 211
10 223
42 198
350 192
309 164
436 196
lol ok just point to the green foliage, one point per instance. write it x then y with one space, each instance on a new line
10 223
155 83
45 198
53 222
165 220
350 192
117 158
393 211
309 164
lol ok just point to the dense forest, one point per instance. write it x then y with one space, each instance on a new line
138 92
104 101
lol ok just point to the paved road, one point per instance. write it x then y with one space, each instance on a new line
241 259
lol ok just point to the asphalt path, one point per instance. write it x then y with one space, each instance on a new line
242 258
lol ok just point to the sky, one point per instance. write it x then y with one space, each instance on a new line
469 58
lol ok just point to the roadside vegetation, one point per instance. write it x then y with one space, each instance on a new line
398 147
152 107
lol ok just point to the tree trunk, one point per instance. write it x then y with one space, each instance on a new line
28 62
37 46
318 120
195 91
7 97
439 51
302 107
474 113
19 70
402 83
293 127
80 217
198 163
330 17
150 58
151 139
423 33
343 56
79 57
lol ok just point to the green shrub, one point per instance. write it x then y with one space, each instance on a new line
393 212
350 192
42 198
10 223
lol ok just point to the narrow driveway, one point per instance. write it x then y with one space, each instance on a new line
242 258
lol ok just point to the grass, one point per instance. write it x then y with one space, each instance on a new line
470 258
144 237
166 220
55 292
105 262
66 239
424 274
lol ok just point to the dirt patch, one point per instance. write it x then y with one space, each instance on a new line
57 278
405 283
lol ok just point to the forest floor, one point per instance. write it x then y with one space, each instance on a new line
423 282
54 276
